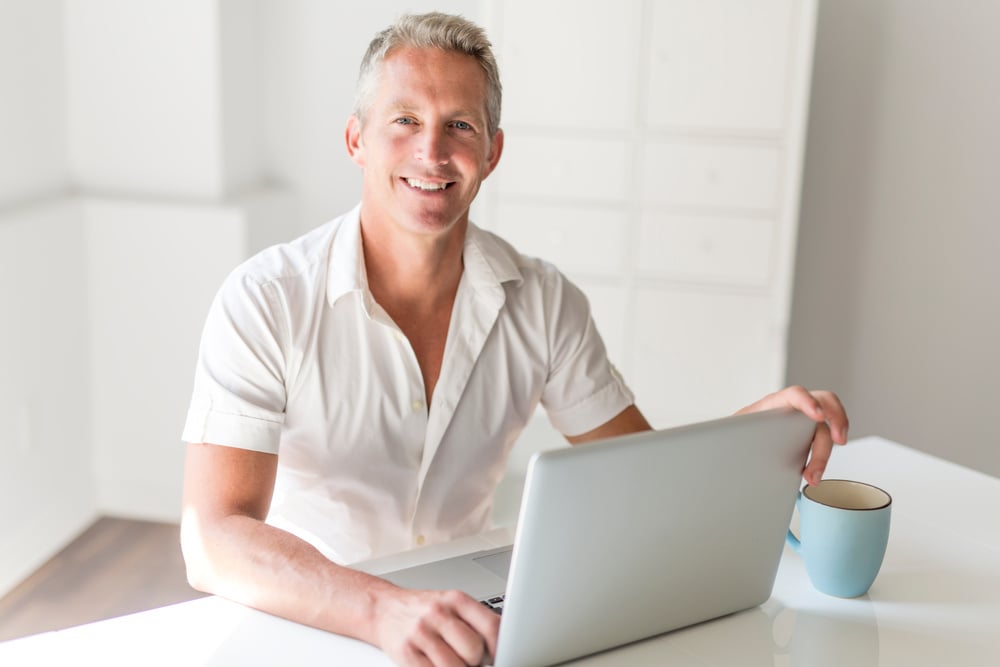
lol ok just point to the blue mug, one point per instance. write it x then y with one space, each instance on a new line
844 529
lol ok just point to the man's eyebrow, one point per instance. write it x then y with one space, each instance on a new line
394 107
401 106
478 114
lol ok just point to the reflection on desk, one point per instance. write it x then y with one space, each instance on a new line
935 602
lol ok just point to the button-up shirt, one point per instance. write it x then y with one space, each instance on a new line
297 359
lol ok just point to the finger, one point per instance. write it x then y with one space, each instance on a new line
795 397
484 621
445 635
472 631
462 640
819 455
414 657
836 415
804 401
438 651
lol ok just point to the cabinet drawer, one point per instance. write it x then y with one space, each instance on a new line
570 66
728 250
567 168
720 64
702 353
574 238
717 176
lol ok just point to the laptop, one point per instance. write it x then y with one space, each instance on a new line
630 537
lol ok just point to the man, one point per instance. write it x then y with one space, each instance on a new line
358 389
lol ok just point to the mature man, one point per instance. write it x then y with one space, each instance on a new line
358 389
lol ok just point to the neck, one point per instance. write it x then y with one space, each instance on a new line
420 270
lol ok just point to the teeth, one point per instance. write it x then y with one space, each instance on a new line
424 185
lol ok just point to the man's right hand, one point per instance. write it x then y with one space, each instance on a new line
435 628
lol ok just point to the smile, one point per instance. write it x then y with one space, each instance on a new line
426 185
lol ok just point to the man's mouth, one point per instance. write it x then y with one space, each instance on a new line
427 186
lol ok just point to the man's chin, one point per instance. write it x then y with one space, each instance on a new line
433 221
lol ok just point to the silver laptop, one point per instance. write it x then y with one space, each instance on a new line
631 537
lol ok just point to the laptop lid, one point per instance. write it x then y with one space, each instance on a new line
635 536
630 537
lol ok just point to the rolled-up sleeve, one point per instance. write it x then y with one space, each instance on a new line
239 388
583 389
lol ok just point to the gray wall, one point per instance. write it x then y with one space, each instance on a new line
897 297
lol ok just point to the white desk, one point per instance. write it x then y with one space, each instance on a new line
936 601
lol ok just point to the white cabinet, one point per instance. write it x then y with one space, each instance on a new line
721 64
654 153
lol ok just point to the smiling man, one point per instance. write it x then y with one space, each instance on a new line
358 390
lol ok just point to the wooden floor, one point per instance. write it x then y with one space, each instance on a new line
115 567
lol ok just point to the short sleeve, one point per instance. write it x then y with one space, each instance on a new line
583 389
239 387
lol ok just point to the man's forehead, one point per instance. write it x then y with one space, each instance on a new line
402 98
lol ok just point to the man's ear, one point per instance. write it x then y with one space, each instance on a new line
496 149
355 146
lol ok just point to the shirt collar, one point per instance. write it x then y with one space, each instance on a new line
346 272
487 263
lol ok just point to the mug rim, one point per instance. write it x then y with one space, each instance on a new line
850 509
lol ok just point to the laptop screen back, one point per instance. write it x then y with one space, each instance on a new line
632 537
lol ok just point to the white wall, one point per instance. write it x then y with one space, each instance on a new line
151 271
144 112
32 101
166 135
897 300
130 184
47 489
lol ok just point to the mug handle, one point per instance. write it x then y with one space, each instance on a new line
790 538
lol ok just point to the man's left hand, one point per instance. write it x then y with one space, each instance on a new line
824 408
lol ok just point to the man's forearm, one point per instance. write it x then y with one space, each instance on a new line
245 560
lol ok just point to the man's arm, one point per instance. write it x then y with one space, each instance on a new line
230 551
629 420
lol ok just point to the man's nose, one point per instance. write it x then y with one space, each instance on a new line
432 146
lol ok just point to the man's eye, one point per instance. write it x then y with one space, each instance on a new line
404 121
462 125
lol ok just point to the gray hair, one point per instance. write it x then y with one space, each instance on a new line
433 30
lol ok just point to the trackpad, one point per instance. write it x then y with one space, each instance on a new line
498 563
470 573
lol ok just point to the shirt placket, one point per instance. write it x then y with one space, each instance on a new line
408 393
478 313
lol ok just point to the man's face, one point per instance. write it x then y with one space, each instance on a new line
424 145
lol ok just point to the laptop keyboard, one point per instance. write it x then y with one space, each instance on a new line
495 603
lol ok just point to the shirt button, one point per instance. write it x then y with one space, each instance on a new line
400 337
418 406
420 540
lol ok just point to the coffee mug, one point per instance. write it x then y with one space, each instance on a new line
844 527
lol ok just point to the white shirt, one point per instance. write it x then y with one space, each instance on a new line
297 359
